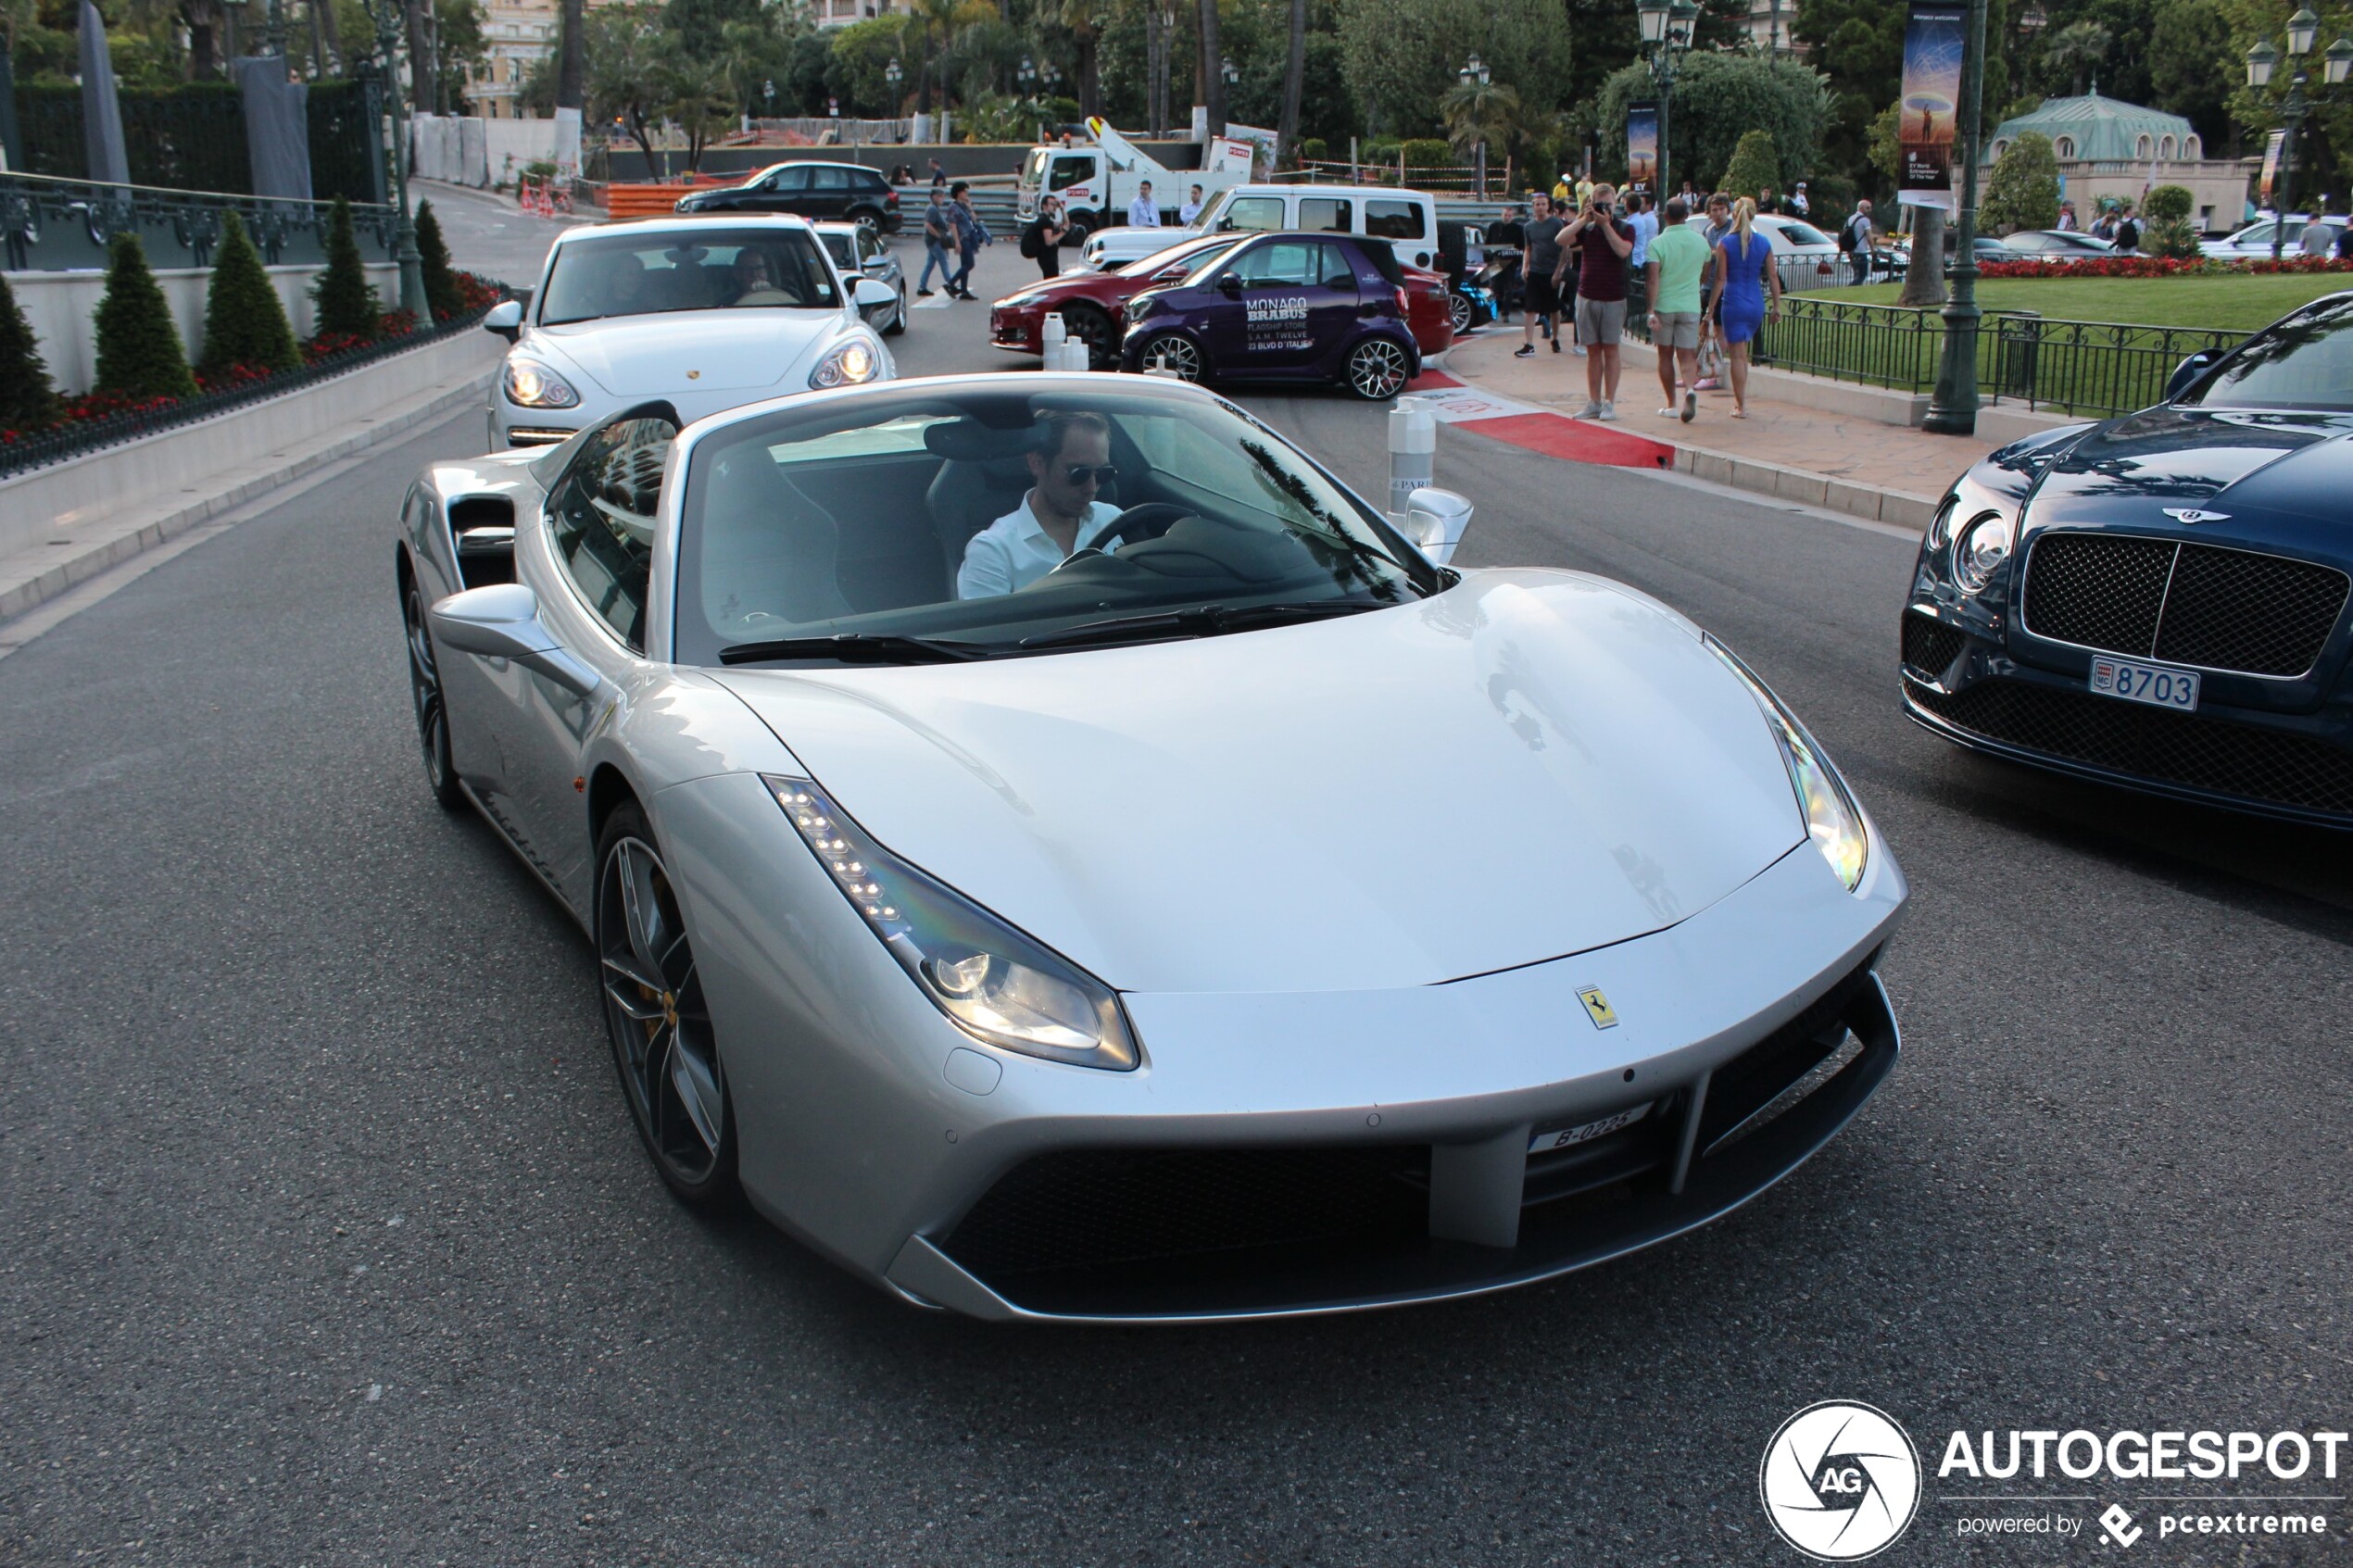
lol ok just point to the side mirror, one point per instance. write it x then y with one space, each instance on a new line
871 291
1230 286
505 318
1435 520
877 263
502 622
2187 371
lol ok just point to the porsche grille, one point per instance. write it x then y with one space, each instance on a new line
2200 604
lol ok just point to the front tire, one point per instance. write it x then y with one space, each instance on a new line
898 317
425 696
1458 312
1094 328
1174 352
655 1017
1377 369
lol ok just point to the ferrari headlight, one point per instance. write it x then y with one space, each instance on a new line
1983 546
1832 819
994 982
850 365
532 385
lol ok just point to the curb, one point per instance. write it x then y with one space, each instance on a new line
88 563
1802 485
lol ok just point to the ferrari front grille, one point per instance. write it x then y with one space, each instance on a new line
2200 604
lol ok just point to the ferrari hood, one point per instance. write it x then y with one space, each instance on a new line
2246 465
1530 765
690 351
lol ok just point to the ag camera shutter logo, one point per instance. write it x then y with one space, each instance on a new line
1840 1481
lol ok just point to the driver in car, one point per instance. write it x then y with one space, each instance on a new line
1058 517
624 284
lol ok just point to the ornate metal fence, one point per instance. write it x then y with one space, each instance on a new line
58 225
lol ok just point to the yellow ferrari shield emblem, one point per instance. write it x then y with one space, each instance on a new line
1597 1008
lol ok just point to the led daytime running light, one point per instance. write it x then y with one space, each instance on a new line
1832 821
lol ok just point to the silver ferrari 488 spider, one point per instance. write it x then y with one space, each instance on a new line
1063 856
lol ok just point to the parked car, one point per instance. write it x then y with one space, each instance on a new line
1066 953
1430 308
1093 305
806 189
1407 219
2255 240
2158 601
859 252
1806 257
1329 309
2053 245
702 313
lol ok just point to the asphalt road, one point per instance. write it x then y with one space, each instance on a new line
325 1236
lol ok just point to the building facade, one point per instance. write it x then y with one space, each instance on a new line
2109 150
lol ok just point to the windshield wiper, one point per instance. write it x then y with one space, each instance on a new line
1197 620
856 647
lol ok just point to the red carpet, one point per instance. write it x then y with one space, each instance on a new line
1430 380
1580 441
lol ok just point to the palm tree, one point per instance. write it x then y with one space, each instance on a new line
1213 71
1479 114
1294 76
2080 47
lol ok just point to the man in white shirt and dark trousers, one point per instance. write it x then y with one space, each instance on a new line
1058 517
1143 212
1190 213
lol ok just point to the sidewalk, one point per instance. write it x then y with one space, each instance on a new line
1847 462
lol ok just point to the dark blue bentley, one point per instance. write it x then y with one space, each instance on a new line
1313 308
2159 601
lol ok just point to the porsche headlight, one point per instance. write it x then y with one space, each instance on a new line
994 982
850 365
1832 819
1980 551
532 385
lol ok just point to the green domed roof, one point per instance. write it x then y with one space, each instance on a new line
2107 129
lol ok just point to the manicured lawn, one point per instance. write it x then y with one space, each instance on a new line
2242 303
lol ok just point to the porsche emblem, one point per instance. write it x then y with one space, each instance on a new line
1597 1008
2192 515
693 375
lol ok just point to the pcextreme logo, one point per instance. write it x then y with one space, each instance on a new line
1840 1481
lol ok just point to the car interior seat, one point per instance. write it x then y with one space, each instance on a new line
775 559
983 474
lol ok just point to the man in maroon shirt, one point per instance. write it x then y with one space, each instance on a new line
1597 243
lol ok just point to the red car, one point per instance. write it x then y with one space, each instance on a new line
1094 305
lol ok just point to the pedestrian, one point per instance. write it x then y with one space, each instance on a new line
1800 204
1583 193
1143 212
1540 258
1690 198
1042 240
2128 232
938 175
1643 221
939 242
1505 231
1716 224
1601 244
1854 239
2067 217
2104 225
2345 242
970 235
1747 292
1678 264
2319 238
1563 189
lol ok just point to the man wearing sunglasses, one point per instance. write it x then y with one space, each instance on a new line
1070 466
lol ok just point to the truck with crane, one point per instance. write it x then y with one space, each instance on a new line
1098 181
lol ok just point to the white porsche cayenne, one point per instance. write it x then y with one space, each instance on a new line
703 314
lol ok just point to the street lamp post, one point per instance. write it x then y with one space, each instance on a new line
892 74
1477 74
2263 59
404 242
1666 26
1952 409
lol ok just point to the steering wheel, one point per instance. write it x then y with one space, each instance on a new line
1148 520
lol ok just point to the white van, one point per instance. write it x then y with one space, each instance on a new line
1408 219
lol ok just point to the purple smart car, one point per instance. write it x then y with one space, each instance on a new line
1312 308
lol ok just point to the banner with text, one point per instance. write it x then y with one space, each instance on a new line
1641 144
1934 43
2271 145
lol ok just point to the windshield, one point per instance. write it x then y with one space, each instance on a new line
1803 235
1195 250
1033 169
934 513
2305 361
645 274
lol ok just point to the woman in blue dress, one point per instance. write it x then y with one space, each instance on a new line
1747 292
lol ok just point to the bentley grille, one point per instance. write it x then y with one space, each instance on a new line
2200 604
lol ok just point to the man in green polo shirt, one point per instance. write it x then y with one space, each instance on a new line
1678 259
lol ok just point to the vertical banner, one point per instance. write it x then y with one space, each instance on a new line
2271 145
1641 144
1935 42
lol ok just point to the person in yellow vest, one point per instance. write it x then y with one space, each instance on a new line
1560 190
1584 193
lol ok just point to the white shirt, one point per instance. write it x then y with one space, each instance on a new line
1143 213
1189 214
1015 550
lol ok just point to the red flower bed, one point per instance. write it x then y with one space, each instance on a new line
2159 267
473 295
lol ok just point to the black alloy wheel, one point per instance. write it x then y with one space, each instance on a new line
424 692
655 1017
1094 328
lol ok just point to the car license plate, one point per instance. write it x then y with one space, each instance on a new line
2151 684
1569 1138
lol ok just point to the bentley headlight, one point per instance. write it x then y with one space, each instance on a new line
532 385
1980 551
850 365
990 980
1832 819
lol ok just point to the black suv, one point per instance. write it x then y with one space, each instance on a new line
810 190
